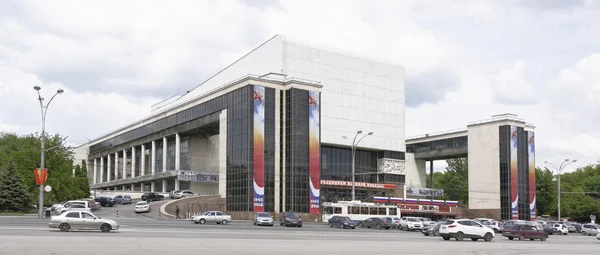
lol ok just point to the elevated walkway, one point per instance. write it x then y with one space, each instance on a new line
439 146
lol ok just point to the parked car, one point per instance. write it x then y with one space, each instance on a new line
290 219
76 207
172 194
524 232
494 225
376 222
341 222
183 193
410 223
142 206
152 196
461 228
433 229
559 228
212 216
87 204
105 201
425 222
81 220
590 229
598 236
123 199
395 222
263 218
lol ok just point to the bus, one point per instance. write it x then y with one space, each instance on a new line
358 211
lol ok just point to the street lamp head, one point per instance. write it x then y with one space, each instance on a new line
60 91
359 132
37 88
566 160
545 162
344 137
574 161
370 133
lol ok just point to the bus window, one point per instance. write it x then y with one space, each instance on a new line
337 210
393 211
373 210
328 210
381 211
354 210
364 210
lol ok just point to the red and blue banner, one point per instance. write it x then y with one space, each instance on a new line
314 151
514 173
259 149
532 193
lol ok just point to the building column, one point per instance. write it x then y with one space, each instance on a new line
124 187
222 153
431 174
132 187
108 166
177 152
164 156
124 164
116 165
153 186
132 161
101 169
153 157
277 170
176 184
95 172
143 161
164 185
142 187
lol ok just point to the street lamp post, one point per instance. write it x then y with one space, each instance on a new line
559 172
354 145
44 110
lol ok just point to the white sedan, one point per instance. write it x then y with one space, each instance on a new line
142 206
212 216
83 220
598 236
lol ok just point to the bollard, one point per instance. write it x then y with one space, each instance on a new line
117 213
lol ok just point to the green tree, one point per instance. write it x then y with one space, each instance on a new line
454 180
546 196
13 194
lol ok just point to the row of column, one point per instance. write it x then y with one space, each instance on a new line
99 162
152 186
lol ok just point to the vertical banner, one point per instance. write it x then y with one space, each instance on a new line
514 173
314 151
259 149
532 194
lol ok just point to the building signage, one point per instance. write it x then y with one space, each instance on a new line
196 176
358 184
424 192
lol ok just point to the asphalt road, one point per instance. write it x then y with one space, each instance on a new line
147 236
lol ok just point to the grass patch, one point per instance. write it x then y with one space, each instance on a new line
12 214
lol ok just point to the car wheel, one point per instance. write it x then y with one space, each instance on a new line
202 221
511 238
224 222
426 234
105 228
299 226
521 237
353 227
459 236
488 237
446 238
281 224
378 226
474 239
64 227
583 233
543 238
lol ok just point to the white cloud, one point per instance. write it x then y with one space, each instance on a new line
115 59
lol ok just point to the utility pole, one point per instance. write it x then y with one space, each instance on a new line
354 145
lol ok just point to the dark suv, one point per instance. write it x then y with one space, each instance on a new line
105 201
342 222
290 219
152 196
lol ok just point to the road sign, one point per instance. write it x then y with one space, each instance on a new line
592 217
48 188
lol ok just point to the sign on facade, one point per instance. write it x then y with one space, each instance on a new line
424 192
197 176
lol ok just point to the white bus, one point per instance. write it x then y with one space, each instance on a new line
358 211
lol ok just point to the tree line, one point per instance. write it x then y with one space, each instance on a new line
580 190
20 155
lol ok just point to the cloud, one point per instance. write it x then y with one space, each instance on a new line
511 87
429 87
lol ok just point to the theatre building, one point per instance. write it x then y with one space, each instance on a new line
275 131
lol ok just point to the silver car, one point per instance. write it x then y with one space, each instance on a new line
81 220
263 219
590 229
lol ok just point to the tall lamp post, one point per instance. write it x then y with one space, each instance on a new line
559 172
354 145
44 110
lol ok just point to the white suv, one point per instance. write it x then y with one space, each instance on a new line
461 228
410 223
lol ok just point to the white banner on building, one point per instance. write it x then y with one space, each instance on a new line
196 176
424 192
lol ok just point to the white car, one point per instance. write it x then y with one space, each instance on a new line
410 223
142 206
560 228
212 216
81 220
598 236
183 193
64 207
465 228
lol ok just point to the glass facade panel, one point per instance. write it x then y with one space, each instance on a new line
504 153
457 142
523 173
296 151
184 153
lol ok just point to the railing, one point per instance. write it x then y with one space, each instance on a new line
437 134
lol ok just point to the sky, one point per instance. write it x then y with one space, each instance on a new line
464 60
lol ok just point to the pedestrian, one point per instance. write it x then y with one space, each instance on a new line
177 212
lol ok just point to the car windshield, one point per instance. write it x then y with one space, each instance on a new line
141 203
413 219
292 215
262 214
126 196
344 219
206 213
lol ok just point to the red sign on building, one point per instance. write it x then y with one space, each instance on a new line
358 184
40 175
